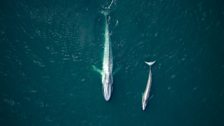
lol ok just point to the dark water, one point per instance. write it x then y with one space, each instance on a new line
47 48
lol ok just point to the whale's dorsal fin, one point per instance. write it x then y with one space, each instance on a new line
97 69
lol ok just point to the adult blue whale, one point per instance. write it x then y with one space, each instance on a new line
146 94
107 67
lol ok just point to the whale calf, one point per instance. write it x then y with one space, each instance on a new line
146 93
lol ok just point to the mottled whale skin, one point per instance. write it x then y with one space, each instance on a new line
107 65
107 71
146 93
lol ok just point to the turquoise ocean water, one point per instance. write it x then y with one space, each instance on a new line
47 48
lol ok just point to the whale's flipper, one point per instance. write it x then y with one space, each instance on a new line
97 69
150 63
116 70
152 96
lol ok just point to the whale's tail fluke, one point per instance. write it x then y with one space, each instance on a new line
150 63
108 7
105 12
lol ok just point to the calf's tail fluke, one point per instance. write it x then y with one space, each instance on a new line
150 63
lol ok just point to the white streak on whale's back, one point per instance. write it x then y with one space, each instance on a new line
107 58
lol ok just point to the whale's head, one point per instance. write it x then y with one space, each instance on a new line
107 81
